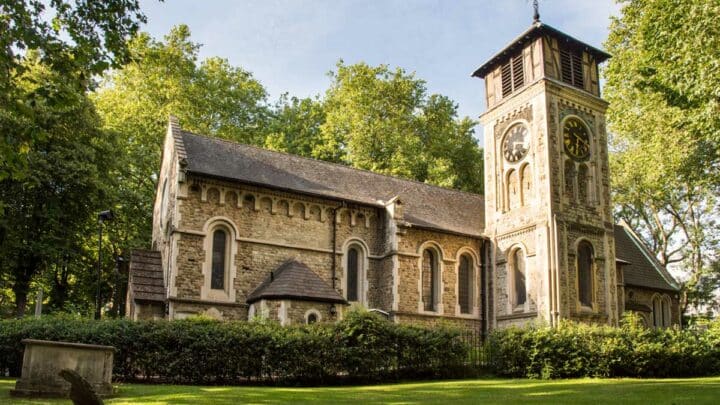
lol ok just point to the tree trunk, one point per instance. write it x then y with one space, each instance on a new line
28 266
21 289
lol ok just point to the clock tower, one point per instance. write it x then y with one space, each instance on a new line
547 199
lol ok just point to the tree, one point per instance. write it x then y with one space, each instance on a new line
48 209
165 78
82 39
295 125
384 121
664 104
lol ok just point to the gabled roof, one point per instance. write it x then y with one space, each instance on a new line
294 280
424 205
537 29
642 268
146 276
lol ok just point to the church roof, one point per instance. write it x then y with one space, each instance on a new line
425 205
146 276
536 30
294 280
642 268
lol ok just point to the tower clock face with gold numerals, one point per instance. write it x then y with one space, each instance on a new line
576 138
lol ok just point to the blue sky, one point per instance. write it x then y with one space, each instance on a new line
291 45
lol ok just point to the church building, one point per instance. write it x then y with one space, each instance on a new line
242 232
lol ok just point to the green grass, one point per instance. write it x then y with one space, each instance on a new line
482 391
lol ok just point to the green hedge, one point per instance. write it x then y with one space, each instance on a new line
362 347
578 350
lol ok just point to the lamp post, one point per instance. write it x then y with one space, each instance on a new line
116 291
102 217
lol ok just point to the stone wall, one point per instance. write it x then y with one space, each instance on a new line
411 243
644 296
270 227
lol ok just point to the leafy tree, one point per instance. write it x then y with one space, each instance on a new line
383 120
295 125
664 104
165 78
48 209
82 39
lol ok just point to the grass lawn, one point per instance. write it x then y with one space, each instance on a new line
482 391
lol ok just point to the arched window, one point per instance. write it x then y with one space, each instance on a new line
585 273
582 180
526 183
353 270
219 253
657 312
570 179
429 280
312 317
519 296
513 189
661 312
465 284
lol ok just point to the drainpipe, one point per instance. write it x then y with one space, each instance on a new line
483 303
334 242
556 293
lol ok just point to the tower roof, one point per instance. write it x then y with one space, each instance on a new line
536 30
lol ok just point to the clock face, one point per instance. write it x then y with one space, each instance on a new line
516 143
576 138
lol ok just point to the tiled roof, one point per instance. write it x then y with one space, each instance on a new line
424 205
643 269
294 280
146 276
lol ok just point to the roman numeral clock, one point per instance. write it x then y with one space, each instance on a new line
576 139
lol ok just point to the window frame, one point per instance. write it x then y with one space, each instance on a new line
225 256
470 287
512 271
363 263
436 279
228 292
590 274
312 312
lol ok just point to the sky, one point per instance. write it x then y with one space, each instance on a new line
291 45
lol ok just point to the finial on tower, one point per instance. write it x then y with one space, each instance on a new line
536 11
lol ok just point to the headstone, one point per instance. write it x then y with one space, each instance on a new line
43 360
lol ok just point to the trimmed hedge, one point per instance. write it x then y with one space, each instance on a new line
362 347
578 350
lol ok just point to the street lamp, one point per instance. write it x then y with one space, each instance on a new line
102 217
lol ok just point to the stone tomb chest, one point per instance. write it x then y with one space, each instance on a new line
44 359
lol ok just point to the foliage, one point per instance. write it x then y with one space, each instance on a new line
578 350
48 211
295 125
383 120
165 78
362 346
81 39
664 104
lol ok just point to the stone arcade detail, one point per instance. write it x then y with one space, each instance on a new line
242 232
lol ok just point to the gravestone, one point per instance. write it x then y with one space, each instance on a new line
43 360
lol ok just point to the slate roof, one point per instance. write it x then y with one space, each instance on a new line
536 30
294 280
146 276
424 205
643 269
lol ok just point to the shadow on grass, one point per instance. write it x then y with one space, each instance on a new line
579 391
